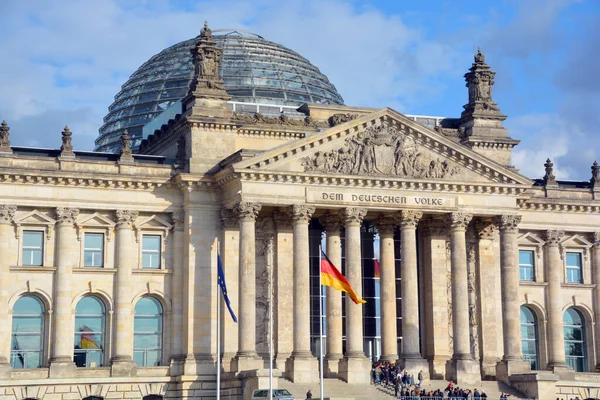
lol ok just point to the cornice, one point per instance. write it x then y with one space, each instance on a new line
262 133
539 204
190 182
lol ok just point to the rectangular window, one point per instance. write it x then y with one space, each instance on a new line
574 274
93 252
526 266
33 247
151 251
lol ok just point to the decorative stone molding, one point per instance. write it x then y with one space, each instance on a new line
95 220
154 224
35 219
125 218
229 219
282 120
206 58
596 239
471 255
7 213
541 204
265 233
410 219
247 211
283 219
509 223
66 150
302 213
66 216
178 218
354 215
486 230
553 237
458 221
380 150
331 222
337 119
386 224
4 140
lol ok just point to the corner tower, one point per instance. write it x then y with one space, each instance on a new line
481 121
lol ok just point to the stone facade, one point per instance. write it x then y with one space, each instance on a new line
462 216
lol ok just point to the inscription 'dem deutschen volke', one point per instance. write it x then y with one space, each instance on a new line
381 198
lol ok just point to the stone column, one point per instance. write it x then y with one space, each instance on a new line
354 368
230 247
512 361
556 335
61 347
247 357
411 357
7 212
177 328
122 362
332 224
389 331
303 367
596 305
462 369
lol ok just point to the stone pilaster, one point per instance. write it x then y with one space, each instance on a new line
247 357
596 275
354 368
389 332
7 213
61 346
332 224
303 367
122 362
512 361
556 335
177 328
411 357
462 369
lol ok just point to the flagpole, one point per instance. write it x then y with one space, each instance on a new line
218 335
321 327
270 261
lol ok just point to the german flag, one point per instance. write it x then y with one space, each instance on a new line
330 276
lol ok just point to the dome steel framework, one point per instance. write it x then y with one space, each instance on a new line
253 69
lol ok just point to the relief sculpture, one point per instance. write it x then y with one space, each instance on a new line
380 150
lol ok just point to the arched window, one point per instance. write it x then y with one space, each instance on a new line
575 340
27 333
147 332
89 332
529 337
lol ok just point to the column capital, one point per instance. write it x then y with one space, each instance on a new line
283 218
509 223
247 211
553 237
409 218
486 229
302 213
386 223
125 218
596 241
354 215
331 222
178 218
229 218
434 227
66 216
7 213
458 221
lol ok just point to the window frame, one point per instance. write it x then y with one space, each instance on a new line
35 221
583 341
102 249
532 266
535 340
42 247
96 223
580 268
152 225
105 332
160 250
42 334
160 334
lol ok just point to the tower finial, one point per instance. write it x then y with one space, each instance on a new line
549 178
4 141
66 150
595 175
126 147
206 32
479 56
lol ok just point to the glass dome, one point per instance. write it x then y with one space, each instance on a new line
253 69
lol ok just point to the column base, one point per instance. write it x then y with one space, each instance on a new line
200 364
281 361
355 370
414 366
123 366
62 368
302 369
176 365
563 371
227 362
463 372
331 365
248 362
506 368
5 370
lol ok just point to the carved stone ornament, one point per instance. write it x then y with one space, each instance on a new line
331 222
486 230
480 80
553 237
509 223
206 56
66 150
380 150
125 218
264 236
596 239
66 216
302 213
549 178
337 119
283 219
434 227
386 224
284 120
4 140
353 215
458 220
595 181
247 211
410 219
229 219
126 154
178 218
7 213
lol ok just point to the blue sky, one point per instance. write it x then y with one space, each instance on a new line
64 61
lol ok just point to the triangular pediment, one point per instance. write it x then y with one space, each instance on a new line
153 222
95 219
530 239
34 218
384 144
576 240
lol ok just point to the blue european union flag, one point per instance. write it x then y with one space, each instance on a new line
224 287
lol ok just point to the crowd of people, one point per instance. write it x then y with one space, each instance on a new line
408 386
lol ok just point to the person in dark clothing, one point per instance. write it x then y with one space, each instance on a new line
309 394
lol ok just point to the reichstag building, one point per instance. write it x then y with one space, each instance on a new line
229 144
